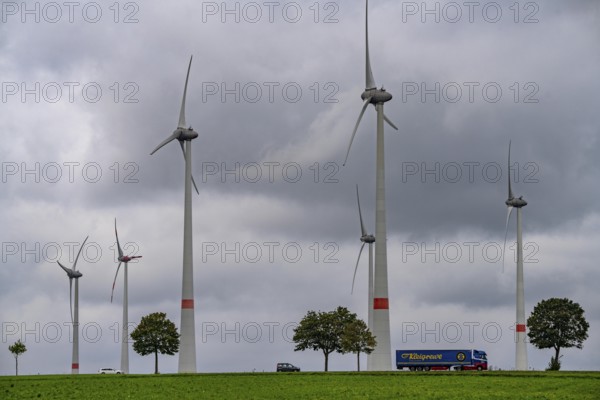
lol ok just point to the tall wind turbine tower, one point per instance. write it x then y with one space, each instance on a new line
125 327
382 355
72 273
187 348
366 239
521 346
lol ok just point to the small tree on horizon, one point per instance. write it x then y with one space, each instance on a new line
357 338
322 331
17 349
155 334
317 331
557 323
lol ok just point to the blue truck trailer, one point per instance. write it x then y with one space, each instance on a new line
426 360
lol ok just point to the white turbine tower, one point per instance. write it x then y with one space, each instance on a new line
521 347
370 239
72 273
187 348
125 327
381 356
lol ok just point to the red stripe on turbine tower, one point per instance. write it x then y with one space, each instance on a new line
520 327
381 304
187 303
74 366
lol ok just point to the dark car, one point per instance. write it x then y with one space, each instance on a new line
287 367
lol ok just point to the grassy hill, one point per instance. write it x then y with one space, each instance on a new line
306 385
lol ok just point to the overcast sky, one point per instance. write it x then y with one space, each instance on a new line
89 90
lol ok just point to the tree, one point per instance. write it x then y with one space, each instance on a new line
322 331
557 323
17 349
155 334
357 338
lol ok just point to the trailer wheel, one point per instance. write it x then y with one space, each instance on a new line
479 368
411 368
426 368
419 368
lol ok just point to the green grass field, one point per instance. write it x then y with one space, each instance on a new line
333 385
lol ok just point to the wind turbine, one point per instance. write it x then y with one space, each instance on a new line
370 239
72 273
187 349
518 203
125 328
381 356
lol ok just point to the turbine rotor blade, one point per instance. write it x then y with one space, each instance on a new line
194 183
184 159
510 192
115 281
369 81
390 123
510 208
362 225
182 112
173 136
365 104
356 267
67 270
78 253
118 244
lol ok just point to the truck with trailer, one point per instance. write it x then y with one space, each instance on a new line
432 360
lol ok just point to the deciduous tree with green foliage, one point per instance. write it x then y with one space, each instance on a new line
557 323
323 331
17 349
357 338
155 334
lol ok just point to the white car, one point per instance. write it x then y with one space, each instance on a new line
109 371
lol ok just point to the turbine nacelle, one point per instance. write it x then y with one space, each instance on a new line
376 96
71 273
516 202
185 134
367 239
126 259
